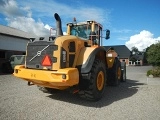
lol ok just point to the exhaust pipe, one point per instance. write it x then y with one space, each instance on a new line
58 25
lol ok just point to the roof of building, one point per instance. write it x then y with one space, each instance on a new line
121 50
15 32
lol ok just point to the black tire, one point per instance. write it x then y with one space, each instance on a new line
47 90
114 74
123 72
96 84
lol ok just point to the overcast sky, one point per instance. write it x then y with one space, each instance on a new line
131 22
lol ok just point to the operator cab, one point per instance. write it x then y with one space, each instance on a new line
90 31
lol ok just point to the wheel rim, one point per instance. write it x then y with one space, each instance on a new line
100 80
119 73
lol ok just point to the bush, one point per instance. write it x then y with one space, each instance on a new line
149 72
155 72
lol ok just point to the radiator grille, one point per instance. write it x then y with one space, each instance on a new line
36 51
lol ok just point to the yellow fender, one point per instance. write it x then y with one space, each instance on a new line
87 56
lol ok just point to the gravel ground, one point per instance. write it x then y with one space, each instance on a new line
138 99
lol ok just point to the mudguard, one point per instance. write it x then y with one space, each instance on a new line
87 57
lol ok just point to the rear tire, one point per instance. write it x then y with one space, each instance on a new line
96 84
114 73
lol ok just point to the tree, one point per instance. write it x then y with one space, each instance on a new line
145 56
134 50
153 54
134 53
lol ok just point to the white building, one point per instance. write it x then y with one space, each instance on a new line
12 41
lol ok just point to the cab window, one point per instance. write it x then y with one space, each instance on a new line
82 31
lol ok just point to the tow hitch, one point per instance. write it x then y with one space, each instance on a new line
30 83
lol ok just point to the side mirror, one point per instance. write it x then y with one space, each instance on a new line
107 34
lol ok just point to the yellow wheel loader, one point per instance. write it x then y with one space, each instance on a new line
76 60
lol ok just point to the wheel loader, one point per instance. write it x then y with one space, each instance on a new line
75 61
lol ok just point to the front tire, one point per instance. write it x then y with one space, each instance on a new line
96 84
114 73
123 72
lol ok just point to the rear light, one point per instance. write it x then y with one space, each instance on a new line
63 76
46 61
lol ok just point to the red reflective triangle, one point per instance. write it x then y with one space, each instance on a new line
46 61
